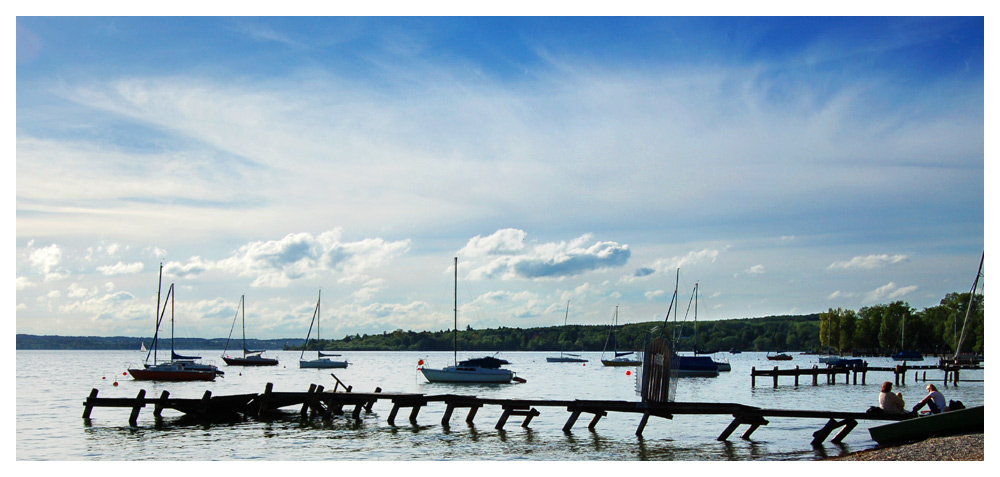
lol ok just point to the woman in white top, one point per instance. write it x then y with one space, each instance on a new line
891 403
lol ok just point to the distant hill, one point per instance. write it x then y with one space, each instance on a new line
794 332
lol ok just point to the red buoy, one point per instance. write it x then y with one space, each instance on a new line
420 362
628 373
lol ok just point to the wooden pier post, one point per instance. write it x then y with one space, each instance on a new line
305 403
264 398
140 402
753 376
158 407
775 376
796 375
642 424
815 375
89 404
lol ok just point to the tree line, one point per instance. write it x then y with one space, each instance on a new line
882 329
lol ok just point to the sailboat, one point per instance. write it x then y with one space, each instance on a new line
563 356
695 366
904 354
142 346
322 359
619 358
479 370
250 357
178 368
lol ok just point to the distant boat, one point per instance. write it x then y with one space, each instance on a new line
722 364
563 356
178 368
322 360
906 355
142 346
478 370
779 357
619 358
250 357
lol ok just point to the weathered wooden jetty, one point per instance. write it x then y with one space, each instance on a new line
951 373
655 392
326 404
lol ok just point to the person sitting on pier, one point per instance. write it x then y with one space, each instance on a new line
934 400
891 403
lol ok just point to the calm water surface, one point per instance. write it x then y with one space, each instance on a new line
50 427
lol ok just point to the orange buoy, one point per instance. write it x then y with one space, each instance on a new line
115 383
420 362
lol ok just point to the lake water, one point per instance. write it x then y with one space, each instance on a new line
52 385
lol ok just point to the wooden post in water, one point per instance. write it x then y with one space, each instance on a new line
796 375
89 406
140 402
775 376
158 407
815 375
753 376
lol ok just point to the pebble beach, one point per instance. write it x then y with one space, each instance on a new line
965 447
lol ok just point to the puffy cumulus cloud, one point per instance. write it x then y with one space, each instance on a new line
889 291
276 263
867 262
501 242
121 268
504 255
109 308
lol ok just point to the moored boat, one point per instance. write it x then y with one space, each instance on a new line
322 360
618 358
250 357
779 357
178 368
563 356
477 370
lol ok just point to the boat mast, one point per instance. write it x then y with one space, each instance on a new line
455 329
562 346
968 309
244 309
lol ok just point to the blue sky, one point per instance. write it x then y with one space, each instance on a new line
787 165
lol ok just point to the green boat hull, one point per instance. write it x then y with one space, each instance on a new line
942 424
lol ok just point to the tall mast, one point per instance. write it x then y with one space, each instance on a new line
968 309
455 329
244 305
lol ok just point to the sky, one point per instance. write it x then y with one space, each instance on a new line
785 165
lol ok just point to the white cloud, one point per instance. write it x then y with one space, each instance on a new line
504 255
47 261
889 291
755 270
666 266
277 263
867 262
121 268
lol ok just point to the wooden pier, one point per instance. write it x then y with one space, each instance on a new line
326 404
951 373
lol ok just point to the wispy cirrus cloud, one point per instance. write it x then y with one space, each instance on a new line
867 262
889 291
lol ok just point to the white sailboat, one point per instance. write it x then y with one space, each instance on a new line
563 356
479 370
619 358
322 360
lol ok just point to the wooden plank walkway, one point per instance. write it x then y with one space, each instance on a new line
317 402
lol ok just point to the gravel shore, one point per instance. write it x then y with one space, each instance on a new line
961 447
